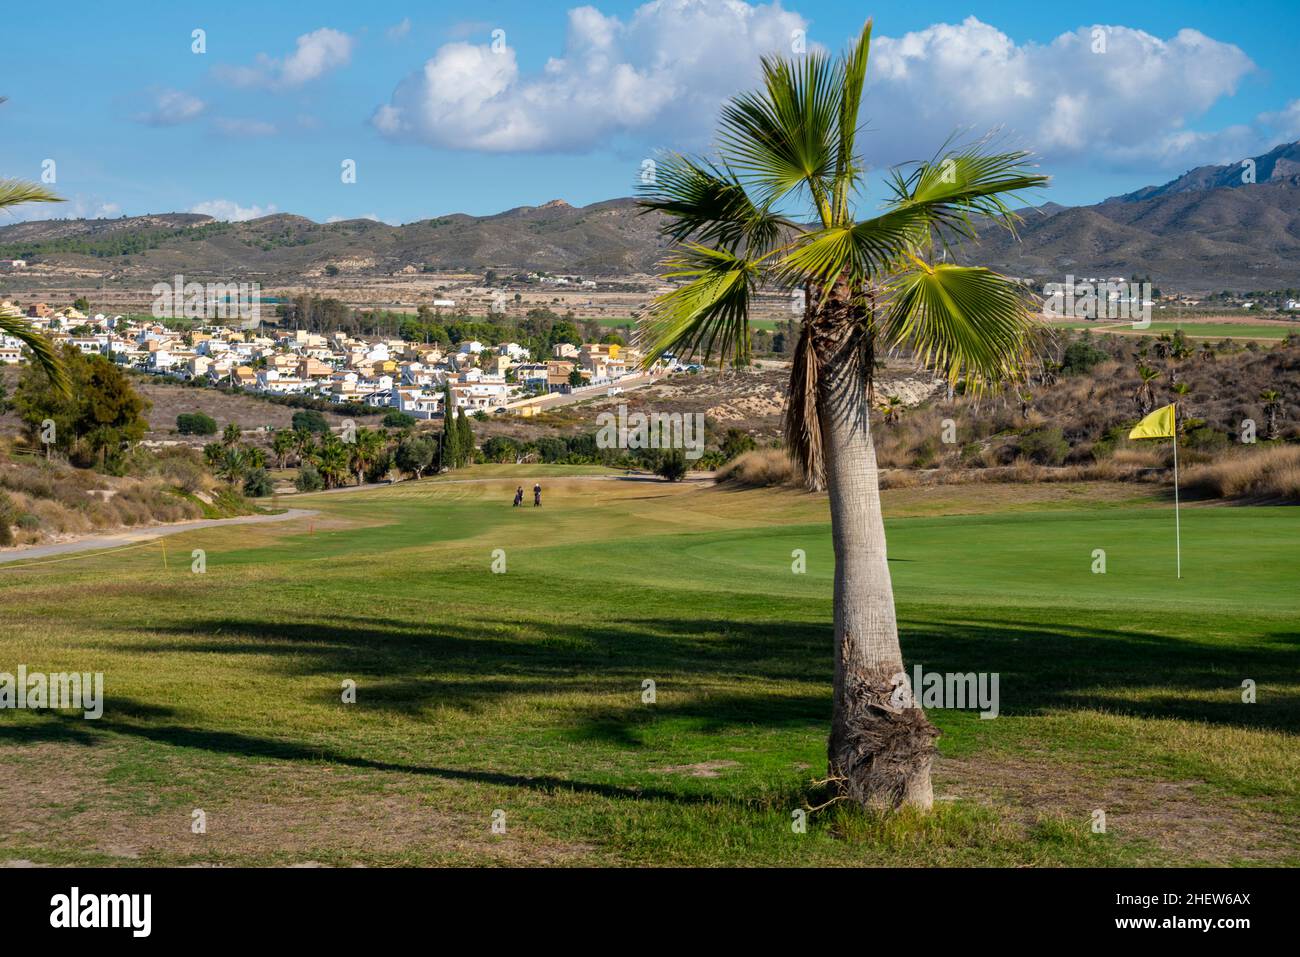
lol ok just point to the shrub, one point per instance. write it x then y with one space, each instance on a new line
1080 356
737 442
672 465
195 423
257 483
8 516
311 421
309 479
762 467
398 420
1044 446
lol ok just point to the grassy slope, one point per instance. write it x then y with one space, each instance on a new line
522 692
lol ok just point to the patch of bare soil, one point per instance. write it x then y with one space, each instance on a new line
705 769
54 799
1176 816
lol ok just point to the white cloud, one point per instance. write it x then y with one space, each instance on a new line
171 108
662 73
315 54
1285 123
1129 105
75 207
659 76
400 30
246 128
230 211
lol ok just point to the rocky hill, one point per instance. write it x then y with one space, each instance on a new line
1205 230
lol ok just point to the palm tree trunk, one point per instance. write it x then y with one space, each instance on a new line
879 753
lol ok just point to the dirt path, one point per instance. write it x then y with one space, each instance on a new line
132 535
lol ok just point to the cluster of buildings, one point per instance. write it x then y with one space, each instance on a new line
383 373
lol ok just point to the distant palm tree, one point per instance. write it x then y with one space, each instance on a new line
282 444
869 286
12 193
303 444
1145 398
1026 400
1272 406
1182 390
891 408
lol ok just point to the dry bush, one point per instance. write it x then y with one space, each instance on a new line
760 468
1268 473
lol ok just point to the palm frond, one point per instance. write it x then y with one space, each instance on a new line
42 350
803 424
783 137
706 203
959 185
853 77
857 250
15 191
960 321
707 314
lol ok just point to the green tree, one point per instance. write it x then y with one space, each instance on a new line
258 484
870 285
450 434
414 455
81 304
464 439
195 423
671 465
333 460
311 421
282 444
99 416
398 420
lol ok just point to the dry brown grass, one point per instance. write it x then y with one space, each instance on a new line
1271 473
760 468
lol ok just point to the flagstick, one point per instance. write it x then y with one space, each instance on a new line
1178 535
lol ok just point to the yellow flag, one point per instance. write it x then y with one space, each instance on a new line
1158 425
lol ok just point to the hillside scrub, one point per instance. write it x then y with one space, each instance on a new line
42 499
1267 473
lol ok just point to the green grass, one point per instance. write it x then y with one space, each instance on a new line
627 322
1193 330
522 692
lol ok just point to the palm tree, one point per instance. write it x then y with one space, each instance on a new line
12 193
869 286
1144 397
333 460
282 444
1026 401
303 444
891 408
1272 406
1182 390
365 451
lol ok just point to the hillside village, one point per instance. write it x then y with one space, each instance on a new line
409 377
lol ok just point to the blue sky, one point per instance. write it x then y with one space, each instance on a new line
440 116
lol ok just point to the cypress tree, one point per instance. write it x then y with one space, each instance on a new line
450 434
464 438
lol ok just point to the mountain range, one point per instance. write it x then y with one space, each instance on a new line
1208 229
